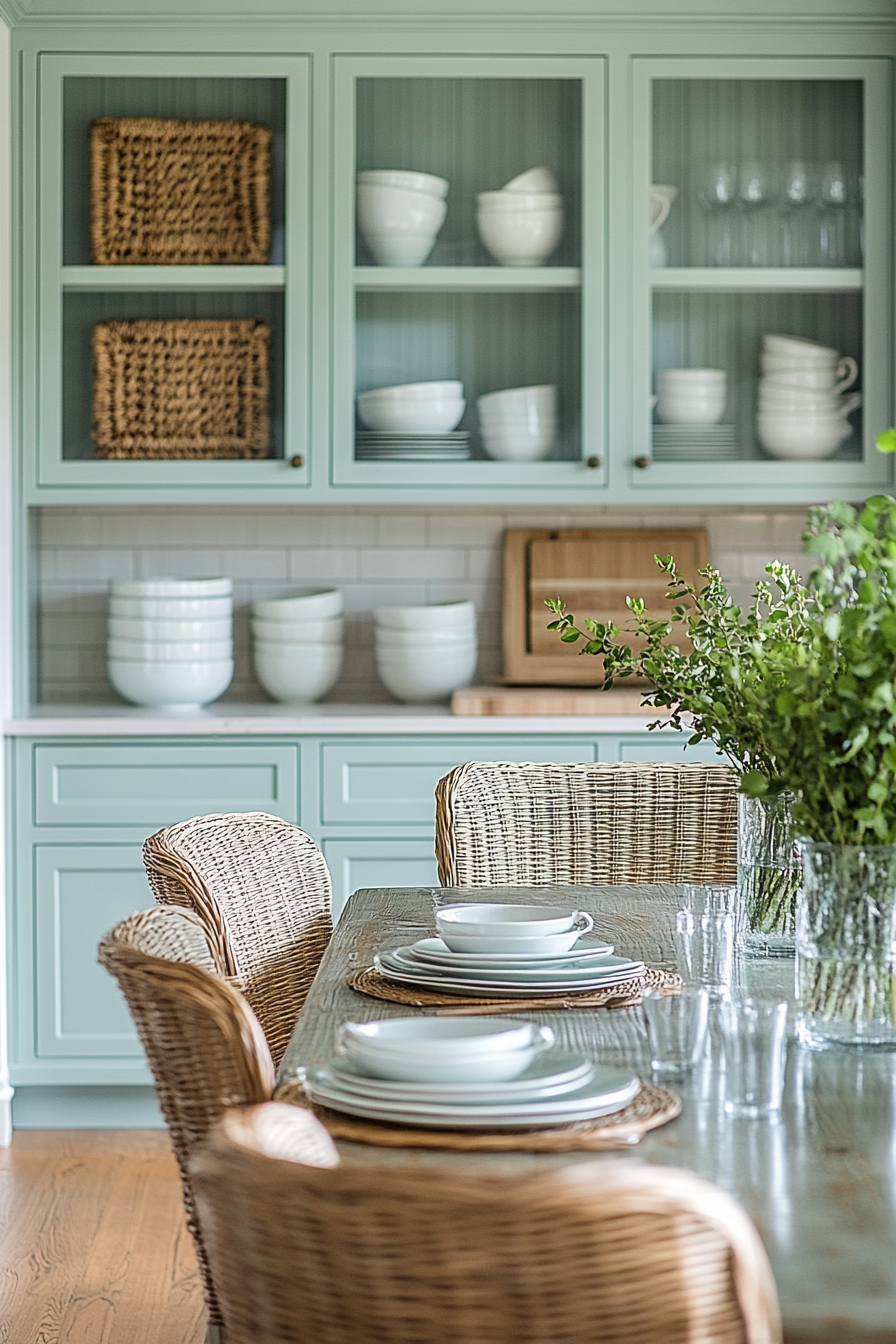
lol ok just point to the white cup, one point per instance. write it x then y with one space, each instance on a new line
796 347
835 375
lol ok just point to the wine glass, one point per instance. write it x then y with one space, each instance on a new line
799 191
755 192
833 199
717 194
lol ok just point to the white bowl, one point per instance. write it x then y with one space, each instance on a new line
401 177
493 1067
171 588
172 608
313 604
688 377
383 209
387 637
815 377
170 685
522 446
797 400
547 945
400 249
540 397
499 920
795 439
424 1049
435 616
299 632
796 347
415 416
537 180
183 651
417 676
690 410
447 391
132 627
297 677
524 238
518 202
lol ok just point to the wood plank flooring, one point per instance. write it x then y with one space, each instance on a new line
93 1244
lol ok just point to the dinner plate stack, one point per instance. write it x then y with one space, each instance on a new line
474 1073
373 445
694 443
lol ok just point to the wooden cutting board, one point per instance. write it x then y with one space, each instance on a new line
593 570
503 701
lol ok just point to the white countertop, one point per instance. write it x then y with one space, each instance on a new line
231 720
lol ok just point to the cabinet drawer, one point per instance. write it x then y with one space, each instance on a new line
156 785
80 892
394 783
378 863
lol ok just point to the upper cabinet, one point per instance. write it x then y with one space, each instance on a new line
580 232
256 301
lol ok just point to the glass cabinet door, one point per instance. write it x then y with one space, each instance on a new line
760 359
493 311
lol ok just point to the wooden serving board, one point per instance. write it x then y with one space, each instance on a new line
477 701
593 570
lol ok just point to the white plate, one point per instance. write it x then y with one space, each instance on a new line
609 1090
607 968
437 952
552 1073
502 990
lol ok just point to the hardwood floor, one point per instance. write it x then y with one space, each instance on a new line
93 1246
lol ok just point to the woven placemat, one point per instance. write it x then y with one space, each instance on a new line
373 983
652 1107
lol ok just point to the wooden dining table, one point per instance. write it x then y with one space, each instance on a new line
819 1181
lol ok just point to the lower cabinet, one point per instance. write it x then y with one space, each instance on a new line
378 863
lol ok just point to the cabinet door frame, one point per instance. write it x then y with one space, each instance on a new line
485 480
763 479
42 305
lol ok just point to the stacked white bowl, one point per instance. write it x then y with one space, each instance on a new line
519 424
170 641
413 408
400 214
298 645
425 653
690 396
803 414
521 224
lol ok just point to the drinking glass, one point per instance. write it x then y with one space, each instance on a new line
676 1028
754 1032
755 193
717 194
833 199
799 191
704 948
711 898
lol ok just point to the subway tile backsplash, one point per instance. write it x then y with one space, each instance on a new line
376 556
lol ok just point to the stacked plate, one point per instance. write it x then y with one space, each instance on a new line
372 445
475 1073
694 443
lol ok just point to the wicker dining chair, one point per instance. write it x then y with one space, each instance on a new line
205 1047
503 823
261 888
308 1250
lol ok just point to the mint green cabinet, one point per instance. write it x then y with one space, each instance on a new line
378 863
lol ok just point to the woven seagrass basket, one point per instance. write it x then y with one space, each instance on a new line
179 193
181 389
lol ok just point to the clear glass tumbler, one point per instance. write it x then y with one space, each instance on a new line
754 1032
676 1028
704 948
768 874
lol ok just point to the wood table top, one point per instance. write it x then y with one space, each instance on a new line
819 1182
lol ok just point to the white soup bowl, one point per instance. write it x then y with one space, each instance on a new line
383 210
524 238
407 180
171 588
400 249
315 604
181 651
299 632
171 608
132 627
179 686
436 616
300 675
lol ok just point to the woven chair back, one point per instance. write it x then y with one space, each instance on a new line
261 888
504 823
205 1047
308 1252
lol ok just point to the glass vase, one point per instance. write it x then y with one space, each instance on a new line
845 927
768 875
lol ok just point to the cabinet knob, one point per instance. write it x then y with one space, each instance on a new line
643 462
594 461
297 461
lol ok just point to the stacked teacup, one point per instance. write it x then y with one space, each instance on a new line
426 653
518 424
400 214
521 224
298 645
170 641
690 396
803 414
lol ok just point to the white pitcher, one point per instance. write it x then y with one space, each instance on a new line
661 198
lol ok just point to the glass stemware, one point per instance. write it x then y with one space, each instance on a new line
717 194
833 200
755 193
799 191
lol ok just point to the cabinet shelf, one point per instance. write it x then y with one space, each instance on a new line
758 279
149 279
479 279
